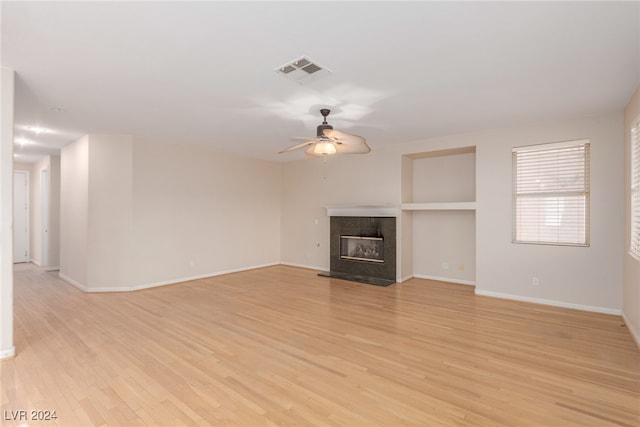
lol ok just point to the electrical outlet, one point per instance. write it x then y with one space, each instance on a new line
535 281
445 265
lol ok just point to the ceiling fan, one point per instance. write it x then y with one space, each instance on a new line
330 141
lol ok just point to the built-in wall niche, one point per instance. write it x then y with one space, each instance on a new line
440 180
438 219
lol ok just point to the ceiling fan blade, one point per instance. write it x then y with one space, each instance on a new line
306 142
360 147
343 137
302 138
347 143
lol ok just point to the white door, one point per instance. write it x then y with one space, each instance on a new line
20 216
44 216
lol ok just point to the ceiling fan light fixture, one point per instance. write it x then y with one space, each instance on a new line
324 148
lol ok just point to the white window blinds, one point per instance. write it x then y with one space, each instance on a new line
634 248
551 193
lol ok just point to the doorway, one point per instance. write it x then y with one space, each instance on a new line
44 217
20 216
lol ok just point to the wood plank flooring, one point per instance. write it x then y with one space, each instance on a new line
280 346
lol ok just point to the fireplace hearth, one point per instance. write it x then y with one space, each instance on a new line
363 249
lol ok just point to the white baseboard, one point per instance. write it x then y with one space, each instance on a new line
187 279
553 303
46 268
310 267
634 332
404 279
84 288
445 279
73 282
7 353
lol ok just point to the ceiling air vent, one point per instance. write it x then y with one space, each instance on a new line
303 70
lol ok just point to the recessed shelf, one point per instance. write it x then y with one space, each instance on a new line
439 206
440 153
384 210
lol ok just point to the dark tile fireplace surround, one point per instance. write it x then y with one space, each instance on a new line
363 249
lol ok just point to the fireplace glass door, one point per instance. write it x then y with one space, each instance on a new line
360 248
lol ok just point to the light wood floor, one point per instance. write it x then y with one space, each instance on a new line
281 346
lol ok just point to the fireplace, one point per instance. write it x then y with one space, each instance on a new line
363 249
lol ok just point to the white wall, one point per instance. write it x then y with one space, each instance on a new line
7 348
74 212
54 212
589 278
199 213
137 214
585 277
447 178
96 212
444 245
631 307
110 212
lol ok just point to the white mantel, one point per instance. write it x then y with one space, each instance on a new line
379 210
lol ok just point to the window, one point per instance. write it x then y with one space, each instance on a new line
634 248
551 193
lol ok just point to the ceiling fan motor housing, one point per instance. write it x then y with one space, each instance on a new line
321 128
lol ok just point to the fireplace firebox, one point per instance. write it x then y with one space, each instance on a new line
363 249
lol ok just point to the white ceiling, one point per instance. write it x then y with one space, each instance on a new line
203 72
